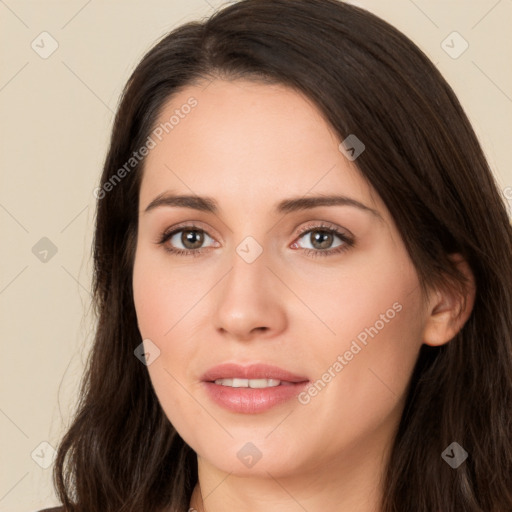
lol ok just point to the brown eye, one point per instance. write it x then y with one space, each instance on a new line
321 239
192 238
186 240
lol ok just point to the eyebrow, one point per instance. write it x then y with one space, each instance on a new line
294 204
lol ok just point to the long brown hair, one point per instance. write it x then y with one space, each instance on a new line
422 157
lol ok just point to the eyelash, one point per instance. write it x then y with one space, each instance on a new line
348 241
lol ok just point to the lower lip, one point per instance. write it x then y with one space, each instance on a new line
252 400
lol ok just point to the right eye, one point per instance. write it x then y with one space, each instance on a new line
190 237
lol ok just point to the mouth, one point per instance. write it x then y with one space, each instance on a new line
251 389
252 383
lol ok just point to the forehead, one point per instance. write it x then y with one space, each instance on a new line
249 139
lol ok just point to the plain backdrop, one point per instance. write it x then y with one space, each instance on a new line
57 111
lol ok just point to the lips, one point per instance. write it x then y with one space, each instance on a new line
253 371
247 396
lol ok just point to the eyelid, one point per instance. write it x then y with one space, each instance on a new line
323 224
188 225
301 231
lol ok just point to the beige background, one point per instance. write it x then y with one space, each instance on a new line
56 117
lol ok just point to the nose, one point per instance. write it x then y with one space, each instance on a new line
250 301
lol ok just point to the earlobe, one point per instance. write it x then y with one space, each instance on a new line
449 309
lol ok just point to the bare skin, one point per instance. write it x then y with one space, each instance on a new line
249 146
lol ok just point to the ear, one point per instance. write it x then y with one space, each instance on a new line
448 310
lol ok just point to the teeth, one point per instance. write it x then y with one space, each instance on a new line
249 383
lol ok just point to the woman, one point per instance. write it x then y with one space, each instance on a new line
302 277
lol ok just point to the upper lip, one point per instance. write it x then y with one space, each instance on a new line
251 371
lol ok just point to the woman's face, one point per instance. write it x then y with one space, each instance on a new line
338 316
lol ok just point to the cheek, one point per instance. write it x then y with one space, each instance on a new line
363 370
159 308
163 296
145 297
376 297
165 300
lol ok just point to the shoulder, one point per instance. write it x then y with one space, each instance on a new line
54 509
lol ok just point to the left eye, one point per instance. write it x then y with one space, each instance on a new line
322 238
